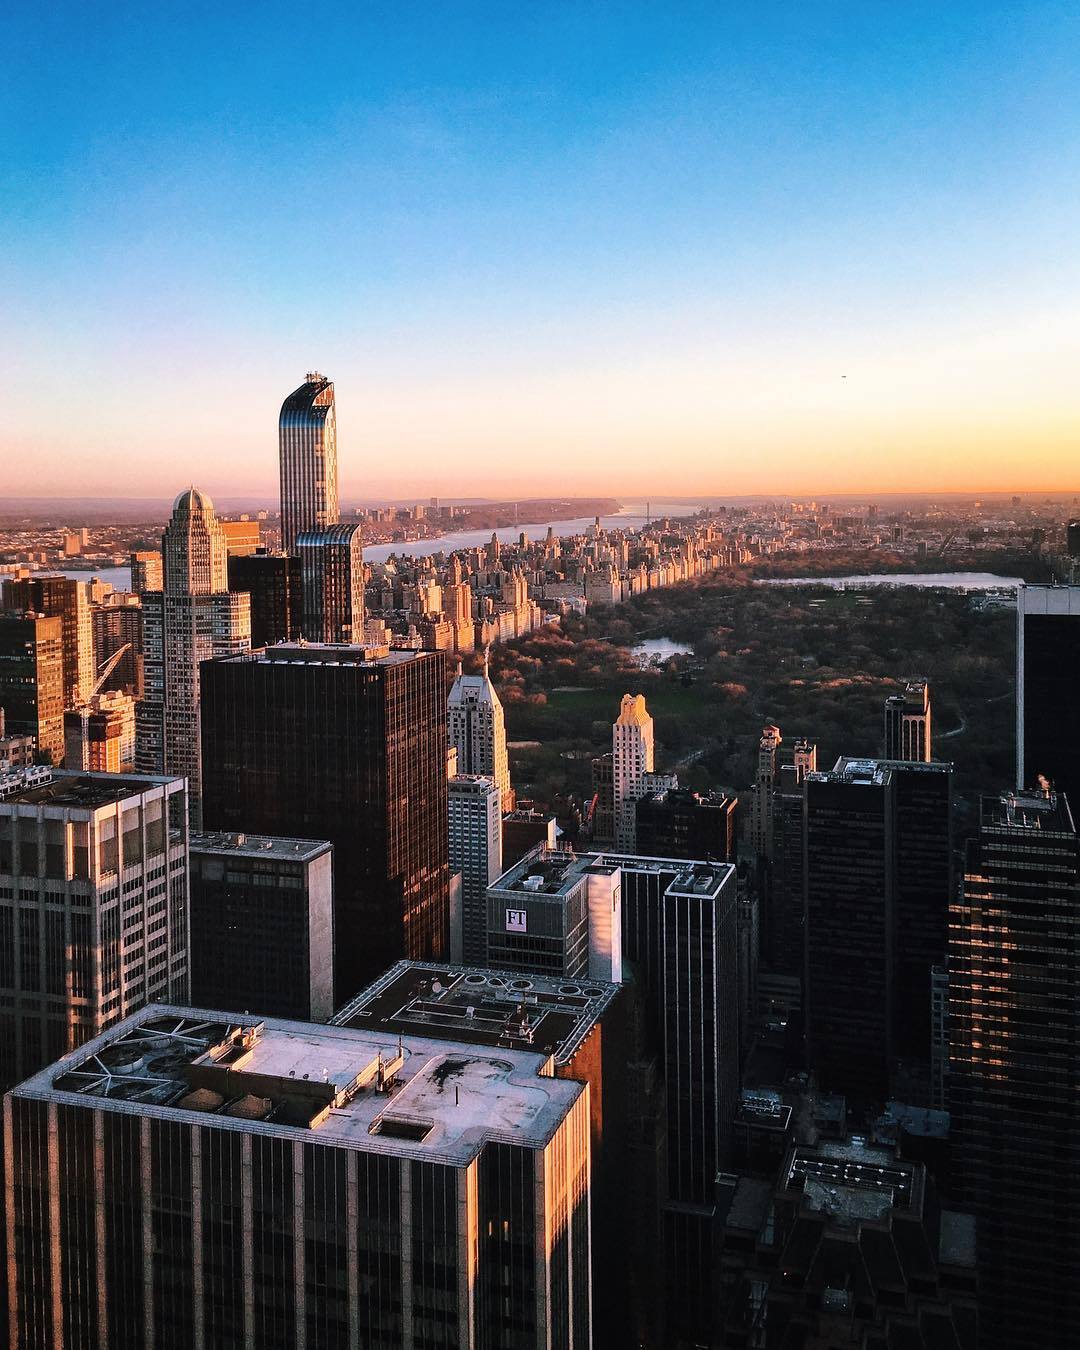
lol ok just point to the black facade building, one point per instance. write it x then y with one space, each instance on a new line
1047 708
679 823
273 582
321 742
877 885
1014 1066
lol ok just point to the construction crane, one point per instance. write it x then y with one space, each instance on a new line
107 669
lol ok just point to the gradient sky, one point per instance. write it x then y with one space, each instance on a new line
542 247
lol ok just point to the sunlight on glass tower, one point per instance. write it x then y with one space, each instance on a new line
307 445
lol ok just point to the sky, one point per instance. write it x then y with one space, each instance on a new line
542 248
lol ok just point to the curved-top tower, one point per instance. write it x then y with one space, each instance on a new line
307 448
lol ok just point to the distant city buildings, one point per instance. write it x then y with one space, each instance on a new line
262 925
60 597
307 449
93 907
907 723
193 619
477 729
301 740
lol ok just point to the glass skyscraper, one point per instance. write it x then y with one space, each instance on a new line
307 445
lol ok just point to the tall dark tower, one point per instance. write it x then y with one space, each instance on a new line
1047 709
307 446
1014 1066
878 883
321 742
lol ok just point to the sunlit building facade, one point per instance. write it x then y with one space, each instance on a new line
332 583
307 447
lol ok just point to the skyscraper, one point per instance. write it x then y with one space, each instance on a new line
1014 1066
332 583
475 852
326 743
194 618
262 925
32 680
272 580
146 571
907 723
761 800
632 759
93 900
66 599
307 446
232 1182
476 726
1047 709
877 885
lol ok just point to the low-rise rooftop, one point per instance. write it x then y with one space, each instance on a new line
482 1007
258 845
363 1088
42 786
554 872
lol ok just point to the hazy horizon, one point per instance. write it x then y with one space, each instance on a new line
739 250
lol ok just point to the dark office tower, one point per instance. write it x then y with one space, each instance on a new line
262 925
194 1180
321 742
907 723
307 447
783 921
680 929
877 885
272 580
60 597
1014 1066
331 584
32 680
678 823
1047 708
1072 539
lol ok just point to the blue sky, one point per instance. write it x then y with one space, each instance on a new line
542 247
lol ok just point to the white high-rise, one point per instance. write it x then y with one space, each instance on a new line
477 730
475 852
307 448
195 618
632 759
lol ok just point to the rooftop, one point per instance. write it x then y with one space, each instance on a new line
555 872
41 786
851 1181
874 772
478 1006
259 845
362 1088
1040 809
323 654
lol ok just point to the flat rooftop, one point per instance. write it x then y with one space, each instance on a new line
1046 811
41 786
324 654
874 771
258 845
365 1089
555 872
852 1180
478 1006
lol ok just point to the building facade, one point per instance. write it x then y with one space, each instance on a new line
32 680
477 727
1047 711
195 618
476 852
272 580
307 449
93 907
631 761
100 736
1014 1065
325 743
331 584
262 925
277 1183
66 599
907 723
